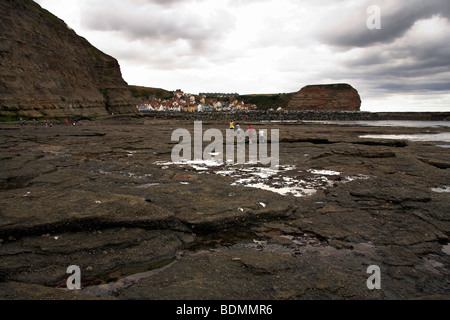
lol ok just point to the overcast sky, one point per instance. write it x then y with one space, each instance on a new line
273 46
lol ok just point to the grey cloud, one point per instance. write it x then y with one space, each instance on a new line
394 72
161 25
245 2
403 62
414 87
396 19
164 3
413 62
402 78
406 61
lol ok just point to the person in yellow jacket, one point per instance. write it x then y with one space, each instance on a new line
232 125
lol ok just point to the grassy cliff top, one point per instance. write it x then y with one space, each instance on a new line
267 101
146 92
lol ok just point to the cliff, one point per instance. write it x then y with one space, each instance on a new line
47 70
328 97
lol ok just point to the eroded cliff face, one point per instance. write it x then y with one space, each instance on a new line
47 70
328 97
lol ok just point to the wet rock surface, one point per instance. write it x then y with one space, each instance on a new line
105 196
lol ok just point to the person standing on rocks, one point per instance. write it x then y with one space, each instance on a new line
262 138
250 134
239 135
232 125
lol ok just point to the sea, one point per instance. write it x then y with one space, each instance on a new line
443 137
385 123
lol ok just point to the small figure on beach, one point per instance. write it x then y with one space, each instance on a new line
232 125
240 134
250 134
262 138
21 122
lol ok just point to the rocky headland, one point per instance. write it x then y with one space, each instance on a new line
326 97
47 70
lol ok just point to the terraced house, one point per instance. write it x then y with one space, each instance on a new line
185 102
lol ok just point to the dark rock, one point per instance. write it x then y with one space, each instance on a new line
23 291
97 195
208 203
47 70
97 253
255 275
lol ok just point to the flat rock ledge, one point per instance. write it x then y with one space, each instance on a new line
96 196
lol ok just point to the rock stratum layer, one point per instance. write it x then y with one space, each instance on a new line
47 70
328 97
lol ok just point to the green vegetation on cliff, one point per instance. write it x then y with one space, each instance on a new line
267 101
146 92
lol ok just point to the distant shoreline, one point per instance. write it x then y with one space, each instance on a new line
299 115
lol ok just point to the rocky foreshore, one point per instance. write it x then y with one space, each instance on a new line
104 195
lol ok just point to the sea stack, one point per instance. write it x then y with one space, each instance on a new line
327 97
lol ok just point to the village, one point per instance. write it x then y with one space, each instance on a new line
204 102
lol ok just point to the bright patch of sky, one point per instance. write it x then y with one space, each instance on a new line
268 46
